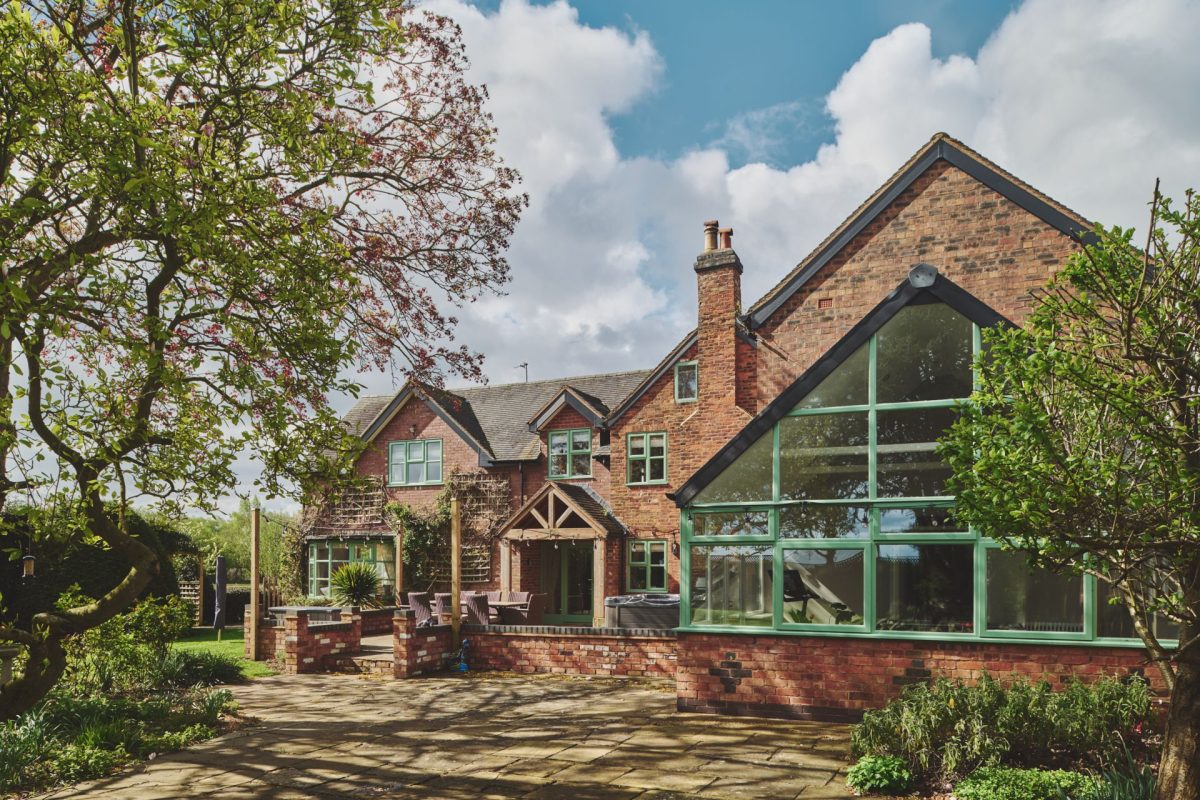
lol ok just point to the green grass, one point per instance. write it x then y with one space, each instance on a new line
205 639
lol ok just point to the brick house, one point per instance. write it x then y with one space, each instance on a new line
776 467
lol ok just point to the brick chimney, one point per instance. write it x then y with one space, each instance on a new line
719 292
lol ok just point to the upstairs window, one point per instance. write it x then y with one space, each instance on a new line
416 462
571 453
687 382
646 458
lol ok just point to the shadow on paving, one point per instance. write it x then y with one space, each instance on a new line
488 735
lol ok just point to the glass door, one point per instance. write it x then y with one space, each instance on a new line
567 581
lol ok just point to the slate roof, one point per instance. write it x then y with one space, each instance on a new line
497 417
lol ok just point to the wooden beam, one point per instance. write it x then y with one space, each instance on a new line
537 515
566 513
505 565
599 570
531 534
255 578
399 545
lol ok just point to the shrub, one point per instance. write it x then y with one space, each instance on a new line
1005 783
948 729
879 775
355 584
22 742
76 761
184 668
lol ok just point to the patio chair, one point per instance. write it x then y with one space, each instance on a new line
477 609
419 603
534 614
493 597
444 606
521 597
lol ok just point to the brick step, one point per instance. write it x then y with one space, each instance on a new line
378 664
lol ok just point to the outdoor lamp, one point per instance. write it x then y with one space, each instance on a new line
27 566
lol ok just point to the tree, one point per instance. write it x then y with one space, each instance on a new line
212 214
1082 445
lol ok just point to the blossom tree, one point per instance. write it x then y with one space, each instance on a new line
211 213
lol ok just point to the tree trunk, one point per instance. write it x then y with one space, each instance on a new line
1179 768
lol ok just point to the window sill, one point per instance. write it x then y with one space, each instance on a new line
414 485
570 477
648 483
684 402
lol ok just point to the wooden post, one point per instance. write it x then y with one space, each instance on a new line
251 626
505 566
399 538
200 600
455 571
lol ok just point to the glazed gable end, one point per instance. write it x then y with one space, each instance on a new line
954 216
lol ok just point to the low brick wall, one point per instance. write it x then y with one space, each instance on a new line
572 651
418 651
302 645
270 642
377 621
838 678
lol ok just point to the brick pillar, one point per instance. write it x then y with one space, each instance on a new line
353 615
404 632
295 631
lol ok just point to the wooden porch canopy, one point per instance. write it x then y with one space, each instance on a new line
560 511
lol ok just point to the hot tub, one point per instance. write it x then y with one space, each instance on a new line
658 611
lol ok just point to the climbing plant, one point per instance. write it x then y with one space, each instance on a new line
426 536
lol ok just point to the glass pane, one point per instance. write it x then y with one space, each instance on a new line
923 353
581 464
637 552
433 471
341 552
658 577
322 552
558 464
637 445
924 587
581 440
658 445
736 523
323 570
433 451
824 522
658 552
908 464
823 457
732 585
823 587
747 478
1021 598
416 472
919 520
845 386
658 469
1114 619
637 471
685 382
637 580
558 443
416 451
396 454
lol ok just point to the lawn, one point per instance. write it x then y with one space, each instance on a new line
230 646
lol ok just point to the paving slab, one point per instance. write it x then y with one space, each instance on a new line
338 737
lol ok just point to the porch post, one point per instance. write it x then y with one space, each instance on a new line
250 626
505 566
399 567
599 562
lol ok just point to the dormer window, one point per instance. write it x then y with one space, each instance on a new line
570 453
687 382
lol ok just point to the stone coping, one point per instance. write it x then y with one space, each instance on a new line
572 631
330 626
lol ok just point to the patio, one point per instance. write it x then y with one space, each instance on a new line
336 736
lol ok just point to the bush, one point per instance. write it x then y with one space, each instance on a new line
184 668
76 762
947 729
1004 783
22 741
879 775
355 584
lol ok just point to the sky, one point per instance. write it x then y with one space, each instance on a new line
633 122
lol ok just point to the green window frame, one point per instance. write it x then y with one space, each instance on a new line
887 533
327 555
569 453
646 458
687 396
415 462
646 566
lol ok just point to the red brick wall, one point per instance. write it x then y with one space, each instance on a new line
270 644
302 646
568 418
974 236
838 678
417 651
576 653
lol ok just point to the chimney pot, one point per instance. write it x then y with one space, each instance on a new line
710 235
726 238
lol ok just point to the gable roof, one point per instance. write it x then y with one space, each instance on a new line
941 147
922 284
590 408
587 505
494 420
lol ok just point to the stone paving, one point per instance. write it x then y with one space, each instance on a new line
340 736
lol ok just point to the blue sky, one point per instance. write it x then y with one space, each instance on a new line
726 59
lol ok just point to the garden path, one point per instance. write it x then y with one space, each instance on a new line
488 735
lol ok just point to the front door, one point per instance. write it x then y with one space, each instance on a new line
567 581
